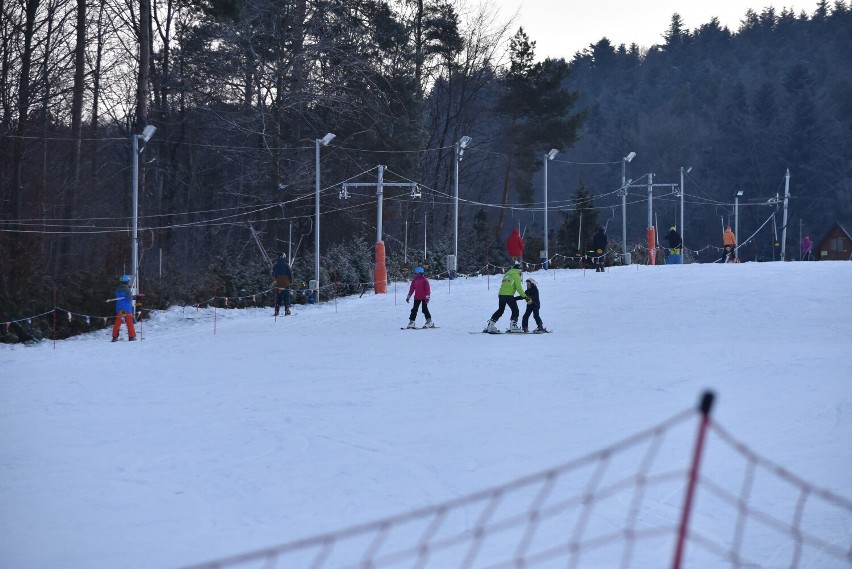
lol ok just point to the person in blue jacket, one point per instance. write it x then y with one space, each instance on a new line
123 309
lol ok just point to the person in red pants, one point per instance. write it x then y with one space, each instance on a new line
123 309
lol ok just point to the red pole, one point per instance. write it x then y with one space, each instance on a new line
683 529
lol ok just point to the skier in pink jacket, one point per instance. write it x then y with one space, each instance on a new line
421 291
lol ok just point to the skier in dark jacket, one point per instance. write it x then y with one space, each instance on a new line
532 308
675 244
123 309
599 244
283 278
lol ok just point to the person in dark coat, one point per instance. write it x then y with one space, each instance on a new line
675 244
283 278
599 244
421 292
533 307
123 309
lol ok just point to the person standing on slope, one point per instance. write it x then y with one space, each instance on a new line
533 306
515 245
729 242
675 244
123 309
599 244
283 278
422 292
506 296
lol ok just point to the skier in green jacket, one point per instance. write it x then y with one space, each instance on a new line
511 284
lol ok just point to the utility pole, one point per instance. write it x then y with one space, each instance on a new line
784 219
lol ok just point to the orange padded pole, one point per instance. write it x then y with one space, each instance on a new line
380 273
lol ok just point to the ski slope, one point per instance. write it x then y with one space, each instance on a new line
192 445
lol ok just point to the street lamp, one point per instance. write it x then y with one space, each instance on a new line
624 162
682 192
547 158
460 146
319 142
146 135
737 197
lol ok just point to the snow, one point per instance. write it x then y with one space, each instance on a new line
192 445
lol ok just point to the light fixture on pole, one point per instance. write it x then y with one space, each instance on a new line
146 135
460 146
682 192
547 158
737 197
319 142
624 162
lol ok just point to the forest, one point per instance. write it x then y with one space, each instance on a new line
262 113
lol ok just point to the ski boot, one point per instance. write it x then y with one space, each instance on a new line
491 328
276 311
540 330
513 326
115 338
287 311
131 339
429 324
411 324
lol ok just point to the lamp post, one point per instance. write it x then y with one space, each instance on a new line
547 158
624 162
737 197
682 192
319 142
459 154
146 135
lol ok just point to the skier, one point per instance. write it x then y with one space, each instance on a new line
729 242
421 291
599 243
123 309
807 245
515 245
283 277
506 296
532 308
675 244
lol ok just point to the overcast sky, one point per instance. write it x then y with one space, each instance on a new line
560 28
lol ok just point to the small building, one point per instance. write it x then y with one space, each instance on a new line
836 245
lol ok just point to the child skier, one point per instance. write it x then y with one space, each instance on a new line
421 291
123 309
506 296
532 308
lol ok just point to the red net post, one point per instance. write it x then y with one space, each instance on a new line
683 527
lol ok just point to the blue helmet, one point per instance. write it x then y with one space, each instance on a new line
124 278
418 270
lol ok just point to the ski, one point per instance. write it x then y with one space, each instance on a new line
419 328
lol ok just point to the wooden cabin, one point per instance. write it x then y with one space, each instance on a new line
835 246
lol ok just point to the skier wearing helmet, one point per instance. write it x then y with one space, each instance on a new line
421 291
123 309
532 308
506 296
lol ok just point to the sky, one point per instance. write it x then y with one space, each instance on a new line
560 28
223 432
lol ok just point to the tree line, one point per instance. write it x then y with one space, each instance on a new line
241 91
